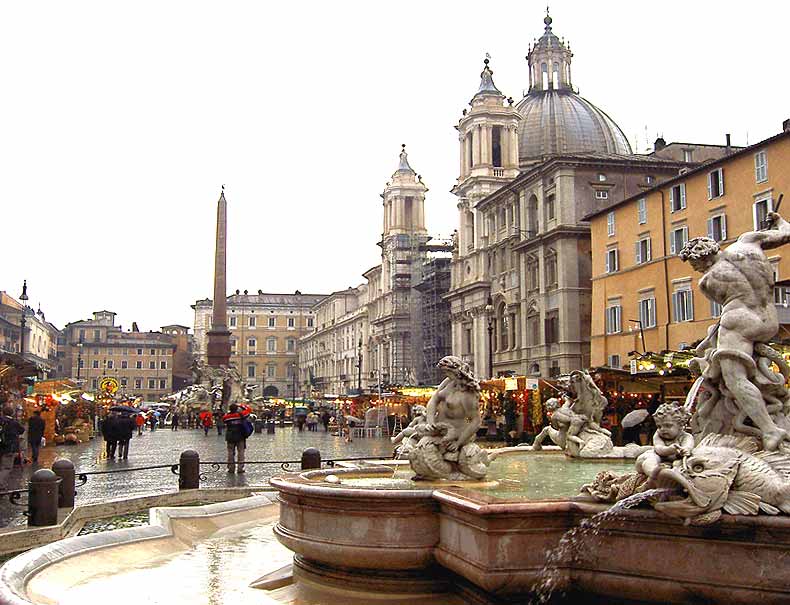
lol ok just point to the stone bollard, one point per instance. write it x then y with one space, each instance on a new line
42 498
311 458
66 491
189 470
270 427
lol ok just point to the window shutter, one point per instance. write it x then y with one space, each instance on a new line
689 306
672 199
672 247
710 187
721 181
675 304
652 311
638 253
649 251
723 227
618 314
710 228
616 261
682 195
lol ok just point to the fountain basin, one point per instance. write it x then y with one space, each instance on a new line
498 546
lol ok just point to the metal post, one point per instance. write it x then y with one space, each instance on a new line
65 470
359 366
42 498
490 348
22 321
189 470
311 458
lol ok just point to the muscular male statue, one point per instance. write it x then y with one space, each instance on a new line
740 279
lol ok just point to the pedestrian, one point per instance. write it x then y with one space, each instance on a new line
174 421
152 422
206 419
237 423
126 426
35 431
110 431
10 430
325 420
218 420
139 420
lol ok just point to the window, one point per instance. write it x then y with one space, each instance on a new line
251 321
124 382
96 335
678 238
601 177
251 371
611 260
715 309
138 365
614 361
614 314
82 335
641 211
717 227
95 383
309 322
551 269
290 322
643 250
272 322
151 365
233 346
683 304
271 345
550 208
153 351
647 312
687 153
533 273
139 351
649 179
251 344
760 167
82 363
601 194
124 365
496 146
551 327
95 364
138 383
677 198
232 322
163 383
152 383
290 345
716 183
110 364
162 365
610 224
271 371
760 211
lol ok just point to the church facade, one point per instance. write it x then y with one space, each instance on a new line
520 294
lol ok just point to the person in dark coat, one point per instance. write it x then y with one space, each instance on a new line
126 426
35 431
10 430
110 431
235 436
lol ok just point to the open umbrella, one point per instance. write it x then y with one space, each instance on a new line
634 418
124 408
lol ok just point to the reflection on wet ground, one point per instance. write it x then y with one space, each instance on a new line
164 446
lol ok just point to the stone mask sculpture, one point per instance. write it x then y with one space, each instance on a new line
445 447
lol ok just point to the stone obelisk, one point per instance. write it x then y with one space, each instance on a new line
218 347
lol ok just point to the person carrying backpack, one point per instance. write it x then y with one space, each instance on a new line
237 428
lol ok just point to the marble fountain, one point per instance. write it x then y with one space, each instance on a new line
698 517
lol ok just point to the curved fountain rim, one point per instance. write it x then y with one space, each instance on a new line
17 571
304 484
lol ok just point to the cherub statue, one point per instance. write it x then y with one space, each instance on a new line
670 442
407 439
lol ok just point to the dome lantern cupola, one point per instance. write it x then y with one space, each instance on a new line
549 61
404 200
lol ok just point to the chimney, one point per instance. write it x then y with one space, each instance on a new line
659 144
729 144
786 126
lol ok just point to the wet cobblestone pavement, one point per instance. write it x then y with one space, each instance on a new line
164 446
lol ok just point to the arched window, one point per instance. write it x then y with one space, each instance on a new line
496 146
532 215
555 76
550 264
534 369
544 74
502 323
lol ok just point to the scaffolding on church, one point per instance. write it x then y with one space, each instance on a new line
434 321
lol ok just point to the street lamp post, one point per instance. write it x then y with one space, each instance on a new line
489 309
79 359
359 365
22 322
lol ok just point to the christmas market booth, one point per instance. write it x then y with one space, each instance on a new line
17 376
512 408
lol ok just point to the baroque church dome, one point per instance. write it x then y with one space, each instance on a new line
555 119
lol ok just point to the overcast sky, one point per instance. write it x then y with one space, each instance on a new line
120 121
